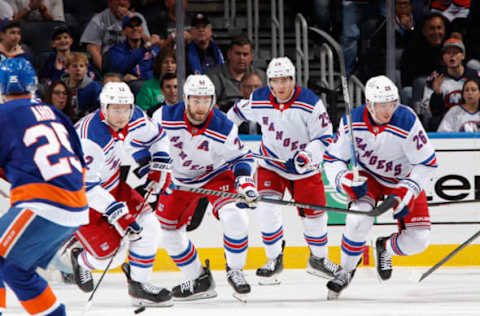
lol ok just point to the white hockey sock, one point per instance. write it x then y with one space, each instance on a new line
315 233
408 242
88 261
142 252
269 219
235 239
182 252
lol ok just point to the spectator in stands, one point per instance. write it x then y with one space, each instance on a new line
250 82
444 87
226 77
6 10
38 10
111 77
105 29
54 65
373 63
133 58
422 56
59 96
11 36
356 14
151 94
169 88
202 52
83 89
464 117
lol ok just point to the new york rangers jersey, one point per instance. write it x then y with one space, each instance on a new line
391 152
300 124
43 161
458 119
201 153
105 151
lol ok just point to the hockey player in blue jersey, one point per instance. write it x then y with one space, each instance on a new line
295 128
207 153
394 156
43 161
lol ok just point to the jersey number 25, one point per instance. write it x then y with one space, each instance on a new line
57 137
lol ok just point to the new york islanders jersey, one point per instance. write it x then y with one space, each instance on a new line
200 154
458 119
105 151
300 124
43 161
390 152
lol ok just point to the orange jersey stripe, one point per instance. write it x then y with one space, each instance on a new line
40 303
3 298
45 191
9 238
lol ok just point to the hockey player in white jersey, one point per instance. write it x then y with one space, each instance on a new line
107 136
464 117
295 128
394 156
207 153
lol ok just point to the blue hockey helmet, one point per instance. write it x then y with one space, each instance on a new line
17 76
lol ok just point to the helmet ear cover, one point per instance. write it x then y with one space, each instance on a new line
199 85
116 93
17 76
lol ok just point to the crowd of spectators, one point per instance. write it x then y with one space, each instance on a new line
74 47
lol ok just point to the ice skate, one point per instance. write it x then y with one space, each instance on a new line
322 267
269 272
200 288
237 280
146 294
82 277
383 259
341 280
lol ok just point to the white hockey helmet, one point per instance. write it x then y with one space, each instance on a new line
198 85
280 67
116 93
380 89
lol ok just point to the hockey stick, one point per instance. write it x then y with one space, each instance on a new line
452 202
255 155
450 255
90 299
382 208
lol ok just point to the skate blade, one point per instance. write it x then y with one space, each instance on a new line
242 297
332 295
267 281
319 274
198 296
138 302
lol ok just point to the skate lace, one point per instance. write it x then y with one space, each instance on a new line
187 286
342 277
385 261
270 265
330 266
85 276
147 287
236 276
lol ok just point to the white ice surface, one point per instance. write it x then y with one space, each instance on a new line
448 291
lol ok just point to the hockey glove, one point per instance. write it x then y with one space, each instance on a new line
300 163
117 215
406 191
158 179
248 190
353 188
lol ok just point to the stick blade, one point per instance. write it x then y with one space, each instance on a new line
384 206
